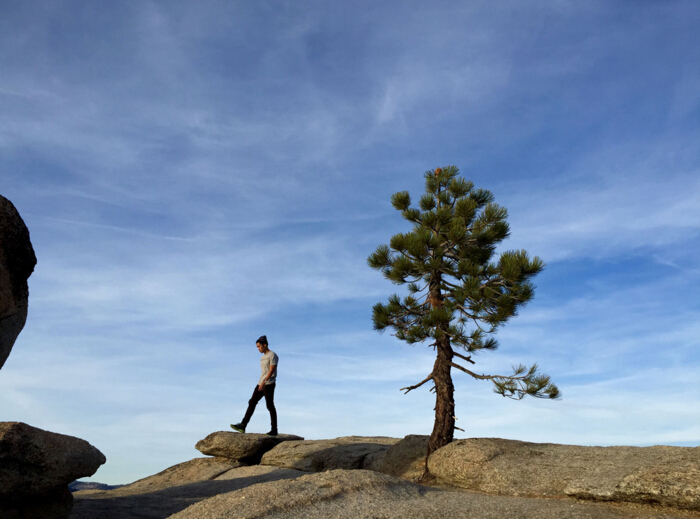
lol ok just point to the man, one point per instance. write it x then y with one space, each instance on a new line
264 388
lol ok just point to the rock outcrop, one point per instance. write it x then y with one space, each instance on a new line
198 469
348 452
345 494
406 458
247 448
294 497
207 488
17 261
663 475
36 467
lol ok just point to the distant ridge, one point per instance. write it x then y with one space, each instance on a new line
89 485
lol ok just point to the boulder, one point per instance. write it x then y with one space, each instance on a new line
34 462
36 467
247 448
17 261
406 458
662 475
348 452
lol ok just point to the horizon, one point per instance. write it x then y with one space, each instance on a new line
196 176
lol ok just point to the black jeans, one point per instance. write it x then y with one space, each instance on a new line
269 393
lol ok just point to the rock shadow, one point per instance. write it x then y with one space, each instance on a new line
163 503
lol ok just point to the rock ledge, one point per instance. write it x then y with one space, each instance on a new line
247 447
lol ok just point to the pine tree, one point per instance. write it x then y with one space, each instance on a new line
457 295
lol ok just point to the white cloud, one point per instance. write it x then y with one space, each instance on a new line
190 174
617 200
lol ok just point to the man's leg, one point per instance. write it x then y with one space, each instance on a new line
257 396
270 401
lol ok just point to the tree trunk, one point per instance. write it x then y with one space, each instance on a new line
444 428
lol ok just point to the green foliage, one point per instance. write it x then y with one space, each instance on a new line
525 382
457 289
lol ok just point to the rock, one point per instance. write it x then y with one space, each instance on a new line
265 491
17 261
659 475
674 484
247 448
54 506
292 496
259 471
406 459
36 467
198 469
34 462
150 502
352 494
348 452
373 461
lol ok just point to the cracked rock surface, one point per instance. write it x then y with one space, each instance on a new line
664 475
353 494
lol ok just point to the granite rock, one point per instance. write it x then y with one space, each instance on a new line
17 261
248 447
171 494
406 458
34 462
348 452
288 496
353 494
197 469
655 475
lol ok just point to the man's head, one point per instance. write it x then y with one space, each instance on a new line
261 344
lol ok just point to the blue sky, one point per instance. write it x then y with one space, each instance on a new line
194 175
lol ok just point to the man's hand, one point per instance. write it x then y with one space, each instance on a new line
261 386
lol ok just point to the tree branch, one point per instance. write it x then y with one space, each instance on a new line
516 377
451 285
411 388
468 359
480 377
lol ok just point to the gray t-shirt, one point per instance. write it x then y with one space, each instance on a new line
268 359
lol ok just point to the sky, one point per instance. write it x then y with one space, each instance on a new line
197 174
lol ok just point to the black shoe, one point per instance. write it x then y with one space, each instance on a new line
238 427
272 433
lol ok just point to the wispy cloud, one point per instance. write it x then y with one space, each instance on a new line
193 176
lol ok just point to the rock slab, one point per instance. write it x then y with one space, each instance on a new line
198 469
247 447
347 452
668 476
289 496
171 494
362 494
17 261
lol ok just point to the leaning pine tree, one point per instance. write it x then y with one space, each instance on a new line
458 295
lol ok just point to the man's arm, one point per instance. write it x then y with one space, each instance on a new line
271 371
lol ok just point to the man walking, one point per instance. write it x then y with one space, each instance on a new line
264 388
